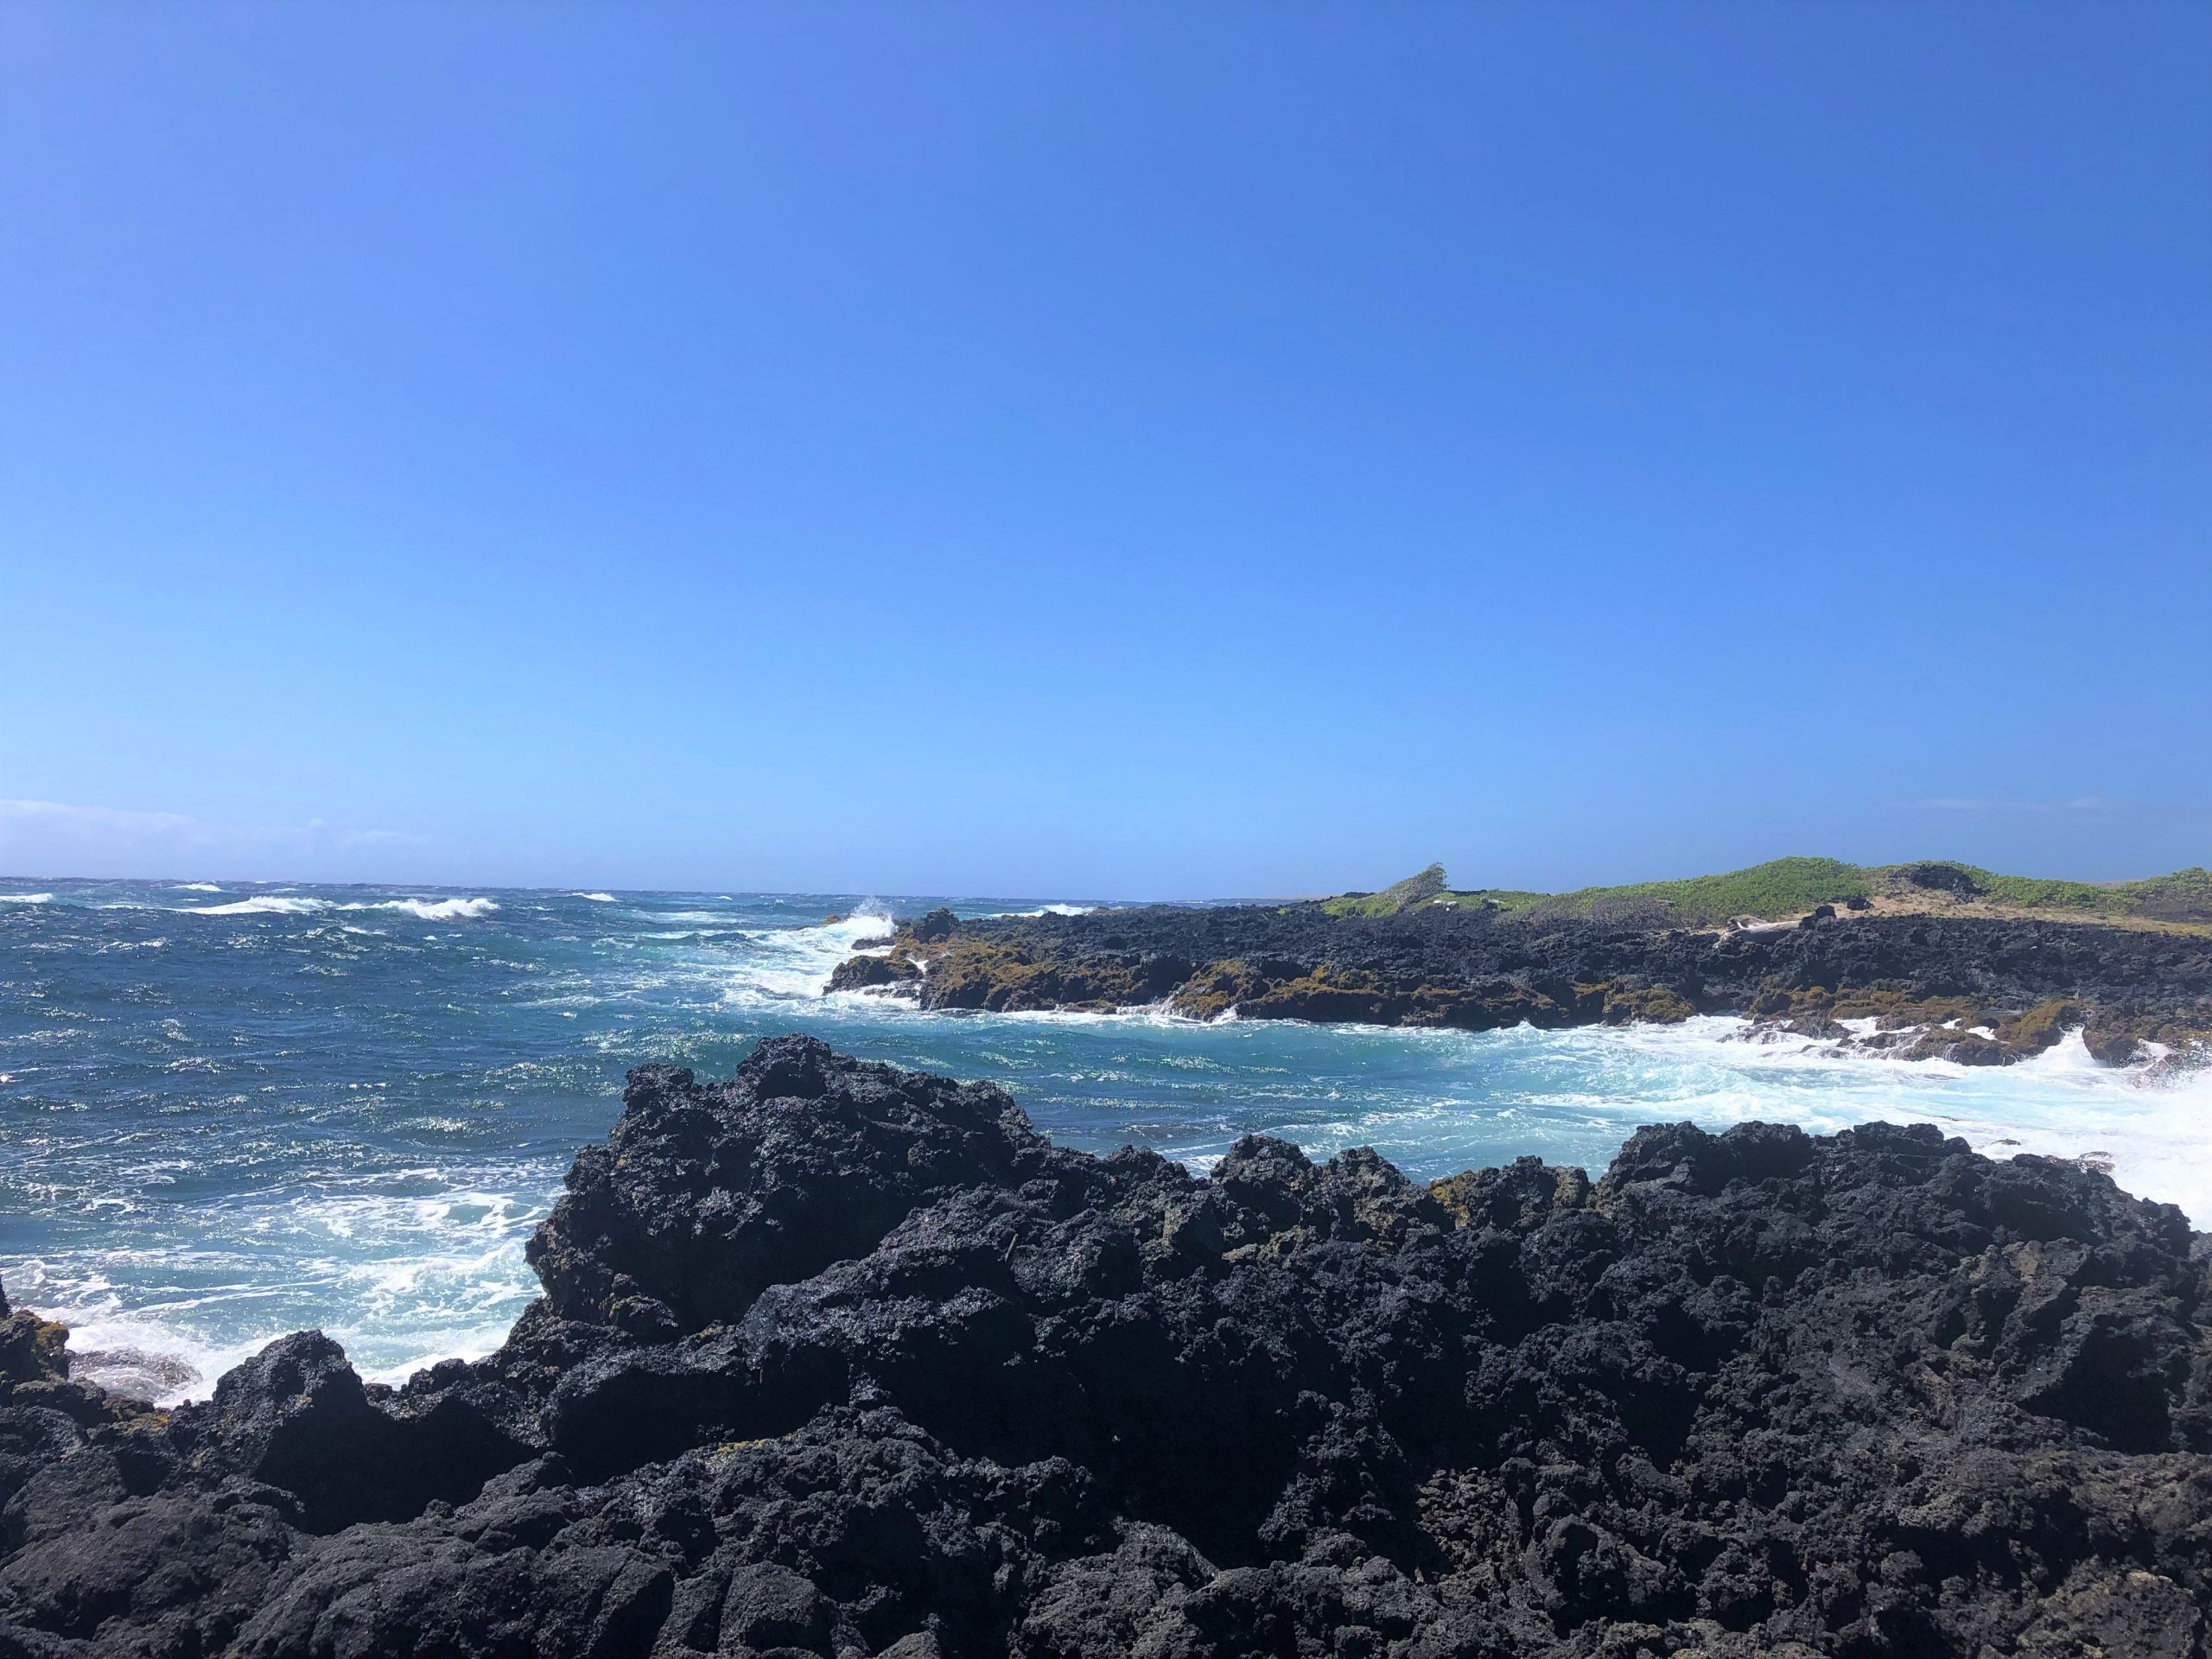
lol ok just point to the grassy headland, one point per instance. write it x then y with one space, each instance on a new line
1790 887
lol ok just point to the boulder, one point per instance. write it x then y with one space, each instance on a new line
868 973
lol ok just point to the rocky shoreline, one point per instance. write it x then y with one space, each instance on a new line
1971 989
838 1359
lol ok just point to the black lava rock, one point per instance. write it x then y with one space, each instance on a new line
937 925
839 1359
1454 966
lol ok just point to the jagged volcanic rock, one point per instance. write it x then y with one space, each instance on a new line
835 1358
2027 981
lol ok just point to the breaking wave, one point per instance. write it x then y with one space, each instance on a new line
266 903
428 909
435 910
403 1279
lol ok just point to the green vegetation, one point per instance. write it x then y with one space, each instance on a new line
1790 887
2038 893
1781 887
2184 896
1399 895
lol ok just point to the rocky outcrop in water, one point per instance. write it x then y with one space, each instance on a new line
1969 988
836 1359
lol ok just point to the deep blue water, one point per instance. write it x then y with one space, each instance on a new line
227 1113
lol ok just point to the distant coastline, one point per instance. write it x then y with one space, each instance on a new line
1921 961
1788 888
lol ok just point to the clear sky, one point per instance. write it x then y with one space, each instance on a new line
1103 451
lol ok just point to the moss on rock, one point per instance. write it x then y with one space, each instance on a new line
1658 1005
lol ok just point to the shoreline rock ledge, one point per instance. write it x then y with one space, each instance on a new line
835 1358
1974 990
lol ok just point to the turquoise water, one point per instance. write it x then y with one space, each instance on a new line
227 1112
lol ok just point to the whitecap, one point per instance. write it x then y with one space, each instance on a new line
264 904
197 887
597 898
434 910
428 909
26 898
787 964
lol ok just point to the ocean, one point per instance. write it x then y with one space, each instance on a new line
229 1111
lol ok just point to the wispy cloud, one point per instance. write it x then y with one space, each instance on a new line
64 838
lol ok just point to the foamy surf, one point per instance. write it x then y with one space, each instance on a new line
143 1358
428 910
435 910
793 964
1588 1088
146 1358
266 903
2151 1131
407 1277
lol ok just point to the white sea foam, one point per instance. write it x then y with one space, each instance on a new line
197 887
2152 1131
26 898
787 964
143 1356
419 1278
596 898
162 1359
435 910
1577 1093
428 910
1162 1014
264 904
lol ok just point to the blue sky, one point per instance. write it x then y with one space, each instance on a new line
1103 451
